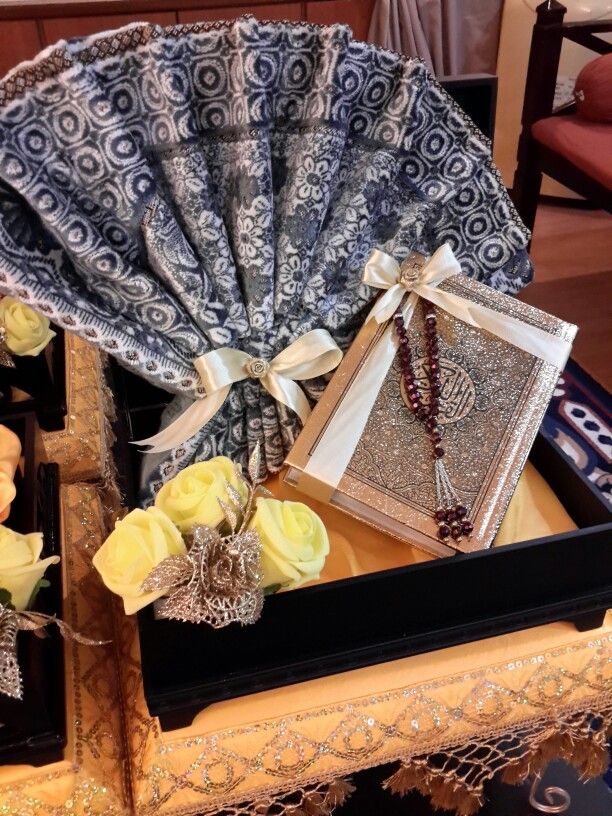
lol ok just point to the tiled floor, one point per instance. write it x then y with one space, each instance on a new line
572 256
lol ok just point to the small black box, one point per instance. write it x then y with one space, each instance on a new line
33 730
43 378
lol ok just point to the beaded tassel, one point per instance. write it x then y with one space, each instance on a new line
450 515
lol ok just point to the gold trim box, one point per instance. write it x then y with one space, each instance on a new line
494 396
82 449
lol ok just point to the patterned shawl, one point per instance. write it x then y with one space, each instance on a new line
168 191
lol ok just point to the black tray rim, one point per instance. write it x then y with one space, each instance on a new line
41 481
176 706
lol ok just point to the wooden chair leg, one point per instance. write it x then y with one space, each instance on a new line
526 186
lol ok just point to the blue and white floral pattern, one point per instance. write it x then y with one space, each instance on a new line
167 191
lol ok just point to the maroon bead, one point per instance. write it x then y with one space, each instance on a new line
451 516
430 320
461 511
422 413
456 531
403 340
440 514
438 452
444 531
431 423
436 437
434 366
434 406
416 406
436 389
467 527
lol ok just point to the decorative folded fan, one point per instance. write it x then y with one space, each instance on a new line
168 192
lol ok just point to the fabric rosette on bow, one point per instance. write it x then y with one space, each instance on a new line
311 355
213 545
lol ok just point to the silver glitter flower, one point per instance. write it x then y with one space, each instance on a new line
218 581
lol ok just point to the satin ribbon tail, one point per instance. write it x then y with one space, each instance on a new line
198 414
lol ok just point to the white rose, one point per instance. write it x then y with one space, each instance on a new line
26 332
20 567
294 542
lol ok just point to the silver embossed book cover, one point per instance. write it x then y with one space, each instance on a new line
492 401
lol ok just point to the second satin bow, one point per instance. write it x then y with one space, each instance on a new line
421 277
309 356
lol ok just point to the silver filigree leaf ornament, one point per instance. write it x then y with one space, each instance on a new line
171 572
10 676
219 580
254 466
230 514
14 621
5 357
234 495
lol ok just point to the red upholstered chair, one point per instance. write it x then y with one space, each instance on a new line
565 145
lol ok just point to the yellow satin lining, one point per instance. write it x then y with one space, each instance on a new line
534 511
357 549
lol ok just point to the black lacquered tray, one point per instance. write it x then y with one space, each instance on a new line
373 618
43 378
33 730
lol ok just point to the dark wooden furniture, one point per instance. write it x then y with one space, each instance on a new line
25 29
542 130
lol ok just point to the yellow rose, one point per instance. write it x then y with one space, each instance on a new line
139 542
20 567
10 451
27 332
192 496
294 542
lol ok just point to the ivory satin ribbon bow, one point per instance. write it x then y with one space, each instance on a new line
309 356
422 280
420 277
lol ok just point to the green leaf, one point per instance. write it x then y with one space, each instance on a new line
272 589
42 583
5 599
